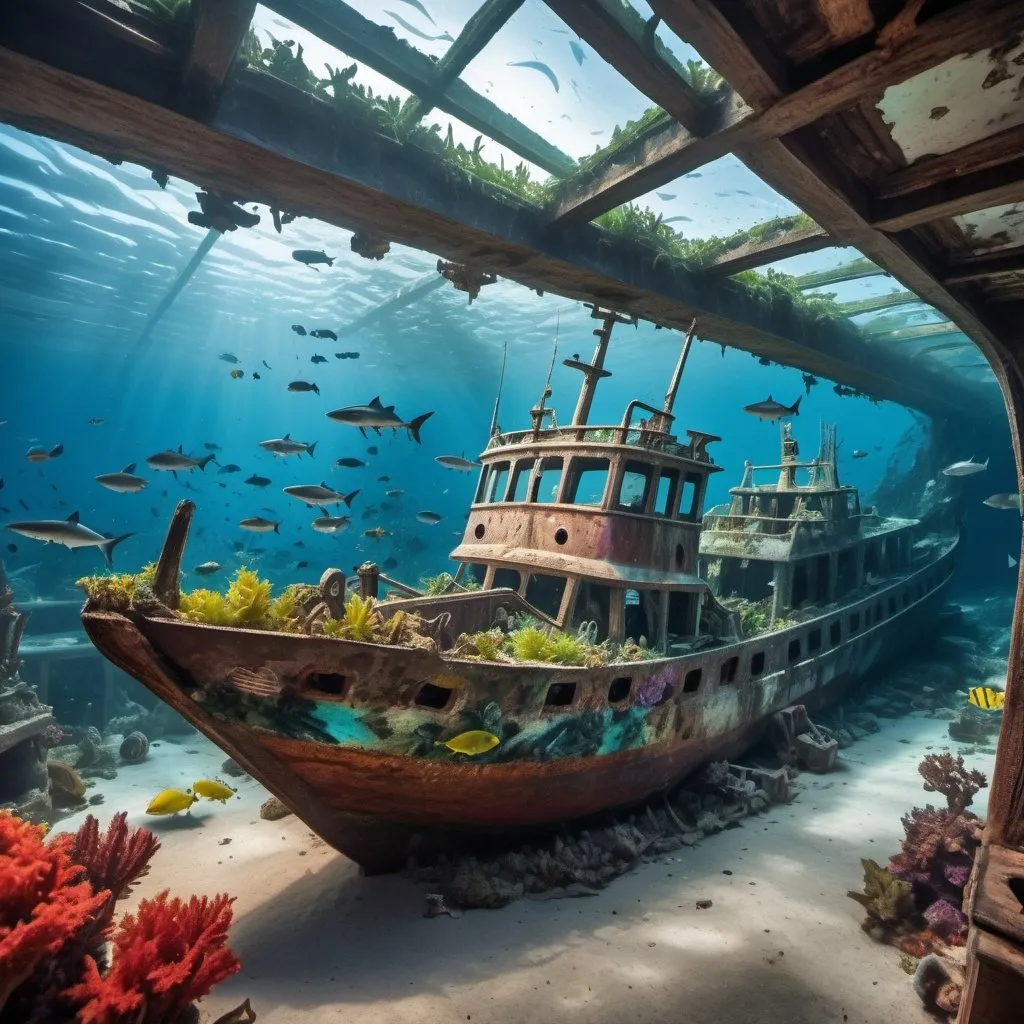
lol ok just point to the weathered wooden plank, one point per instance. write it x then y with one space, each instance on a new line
17 732
876 302
980 190
985 265
377 47
481 28
673 150
618 34
757 254
276 145
852 271
997 149
929 332
218 28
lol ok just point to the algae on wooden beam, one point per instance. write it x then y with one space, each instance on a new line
876 302
850 271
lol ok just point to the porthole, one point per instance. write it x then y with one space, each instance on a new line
479 531
561 535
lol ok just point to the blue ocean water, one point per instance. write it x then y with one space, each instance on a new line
91 252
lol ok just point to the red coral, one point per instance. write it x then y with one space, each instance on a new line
44 901
948 775
167 956
115 862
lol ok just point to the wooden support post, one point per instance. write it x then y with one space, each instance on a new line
218 28
617 615
833 575
783 590
858 566
662 642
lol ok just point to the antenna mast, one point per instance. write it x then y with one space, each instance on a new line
497 397
594 370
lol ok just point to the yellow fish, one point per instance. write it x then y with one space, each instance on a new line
986 698
213 790
171 801
236 374
471 743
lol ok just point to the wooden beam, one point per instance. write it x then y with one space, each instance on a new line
481 28
902 335
672 151
339 25
854 270
930 170
274 144
619 35
985 265
757 254
876 302
980 190
218 28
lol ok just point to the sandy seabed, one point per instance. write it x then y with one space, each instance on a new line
781 944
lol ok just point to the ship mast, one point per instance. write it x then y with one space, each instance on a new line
594 370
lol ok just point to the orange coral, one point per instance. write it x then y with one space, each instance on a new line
44 901
166 956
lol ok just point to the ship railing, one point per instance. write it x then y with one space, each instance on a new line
635 437
749 525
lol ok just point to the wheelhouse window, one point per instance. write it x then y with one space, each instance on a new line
473 573
497 482
509 578
635 487
545 593
665 496
586 481
547 479
689 497
640 615
592 605
682 614
520 480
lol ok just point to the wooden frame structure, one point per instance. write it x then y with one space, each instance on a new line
805 77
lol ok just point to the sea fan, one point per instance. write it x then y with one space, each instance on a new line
164 958
248 598
44 900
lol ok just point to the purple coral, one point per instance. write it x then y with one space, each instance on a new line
957 874
652 690
947 922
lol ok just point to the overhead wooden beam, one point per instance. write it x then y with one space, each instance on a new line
620 36
985 265
276 145
853 270
801 169
377 47
756 254
877 302
916 333
671 151
994 186
997 149
481 28
218 28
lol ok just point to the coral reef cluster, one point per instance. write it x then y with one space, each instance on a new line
57 902
916 901
528 642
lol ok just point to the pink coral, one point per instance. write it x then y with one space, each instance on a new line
166 956
947 921
948 775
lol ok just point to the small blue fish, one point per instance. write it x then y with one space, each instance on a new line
577 51
672 220
418 32
665 195
693 174
419 7
537 65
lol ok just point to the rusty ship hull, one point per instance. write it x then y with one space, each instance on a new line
363 764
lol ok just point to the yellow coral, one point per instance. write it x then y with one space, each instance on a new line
566 650
488 644
205 606
530 644
248 598
360 622
284 611
109 593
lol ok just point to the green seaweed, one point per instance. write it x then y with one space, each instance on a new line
530 644
361 621
888 900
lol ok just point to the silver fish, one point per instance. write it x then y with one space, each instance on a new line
430 518
457 462
966 468
257 524
1003 501
69 532
375 416
37 454
418 32
125 482
319 494
207 568
769 409
171 461
286 446
536 65
311 256
326 523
